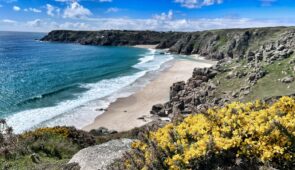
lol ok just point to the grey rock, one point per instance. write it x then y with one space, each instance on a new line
102 131
175 88
254 76
235 94
99 157
287 79
159 110
35 158
281 47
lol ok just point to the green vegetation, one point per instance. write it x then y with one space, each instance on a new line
270 85
266 87
48 148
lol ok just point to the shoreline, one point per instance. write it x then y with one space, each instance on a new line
146 46
134 111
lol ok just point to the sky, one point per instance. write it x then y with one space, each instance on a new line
159 15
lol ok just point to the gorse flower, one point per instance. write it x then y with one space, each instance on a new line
253 130
63 131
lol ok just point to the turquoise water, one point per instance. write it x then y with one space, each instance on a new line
44 83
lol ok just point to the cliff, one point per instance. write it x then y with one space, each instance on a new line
215 44
113 37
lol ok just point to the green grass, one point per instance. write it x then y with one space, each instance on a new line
269 85
25 163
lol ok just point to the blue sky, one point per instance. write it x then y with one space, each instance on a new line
160 15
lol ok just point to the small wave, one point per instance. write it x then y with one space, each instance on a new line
152 60
146 59
29 119
42 96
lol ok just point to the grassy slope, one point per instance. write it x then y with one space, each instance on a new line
270 85
267 86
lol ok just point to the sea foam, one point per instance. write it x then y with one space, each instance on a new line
82 111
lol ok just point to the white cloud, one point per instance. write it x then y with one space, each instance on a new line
52 10
181 24
113 9
75 26
105 0
32 10
35 23
75 10
8 21
197 3
163 16
161 23
16 8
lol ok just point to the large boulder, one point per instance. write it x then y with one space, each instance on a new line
101 156
175 88
159 110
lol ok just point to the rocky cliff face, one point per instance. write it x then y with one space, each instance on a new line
214 44
231 43
113 37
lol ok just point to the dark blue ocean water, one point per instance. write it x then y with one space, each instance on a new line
41 81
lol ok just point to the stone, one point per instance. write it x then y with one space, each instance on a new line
235 94
281 47
159 110
101 156
230 75
250 53
252 77
35 158
175 88
287 79
212 74
240 74
102 131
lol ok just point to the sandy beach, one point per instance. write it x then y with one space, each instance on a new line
146 46
123 114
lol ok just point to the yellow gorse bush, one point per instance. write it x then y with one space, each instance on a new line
254 129
48 130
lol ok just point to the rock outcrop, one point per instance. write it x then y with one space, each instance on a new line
193 96
101 156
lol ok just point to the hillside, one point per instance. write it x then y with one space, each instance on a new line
112 37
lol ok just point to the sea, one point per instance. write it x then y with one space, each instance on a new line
50 84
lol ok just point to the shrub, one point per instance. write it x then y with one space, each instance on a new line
239 134
79 137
